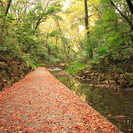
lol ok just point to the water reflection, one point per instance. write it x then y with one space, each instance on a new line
116 108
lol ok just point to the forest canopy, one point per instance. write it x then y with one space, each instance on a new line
94 32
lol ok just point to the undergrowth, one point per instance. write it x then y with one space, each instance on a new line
75 67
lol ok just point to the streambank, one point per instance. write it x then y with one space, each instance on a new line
115 81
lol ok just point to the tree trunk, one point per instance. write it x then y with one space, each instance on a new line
86 16
2 26
26 51
87 28
130 5
59 28
8 7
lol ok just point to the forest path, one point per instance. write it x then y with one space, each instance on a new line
39 103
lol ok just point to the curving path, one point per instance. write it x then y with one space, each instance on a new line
39 103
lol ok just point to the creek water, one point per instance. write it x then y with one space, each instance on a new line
116 107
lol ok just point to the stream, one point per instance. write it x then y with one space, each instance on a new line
116 107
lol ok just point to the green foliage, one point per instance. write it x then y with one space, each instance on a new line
58 17
20 34
53 9
65 39
81 56
54 61
2 16
107 45
75 67
10 18
43 34
55 33
37 65
30 62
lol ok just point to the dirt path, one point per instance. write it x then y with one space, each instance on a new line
39 103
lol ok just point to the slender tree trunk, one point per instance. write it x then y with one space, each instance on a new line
8 7
58 25
65 45
130 5
86 16
26 51
37 24
87 28
2 26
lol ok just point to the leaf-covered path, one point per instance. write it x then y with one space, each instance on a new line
39 103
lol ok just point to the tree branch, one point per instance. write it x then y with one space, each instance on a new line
36 26
95 7
41 17
123 15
